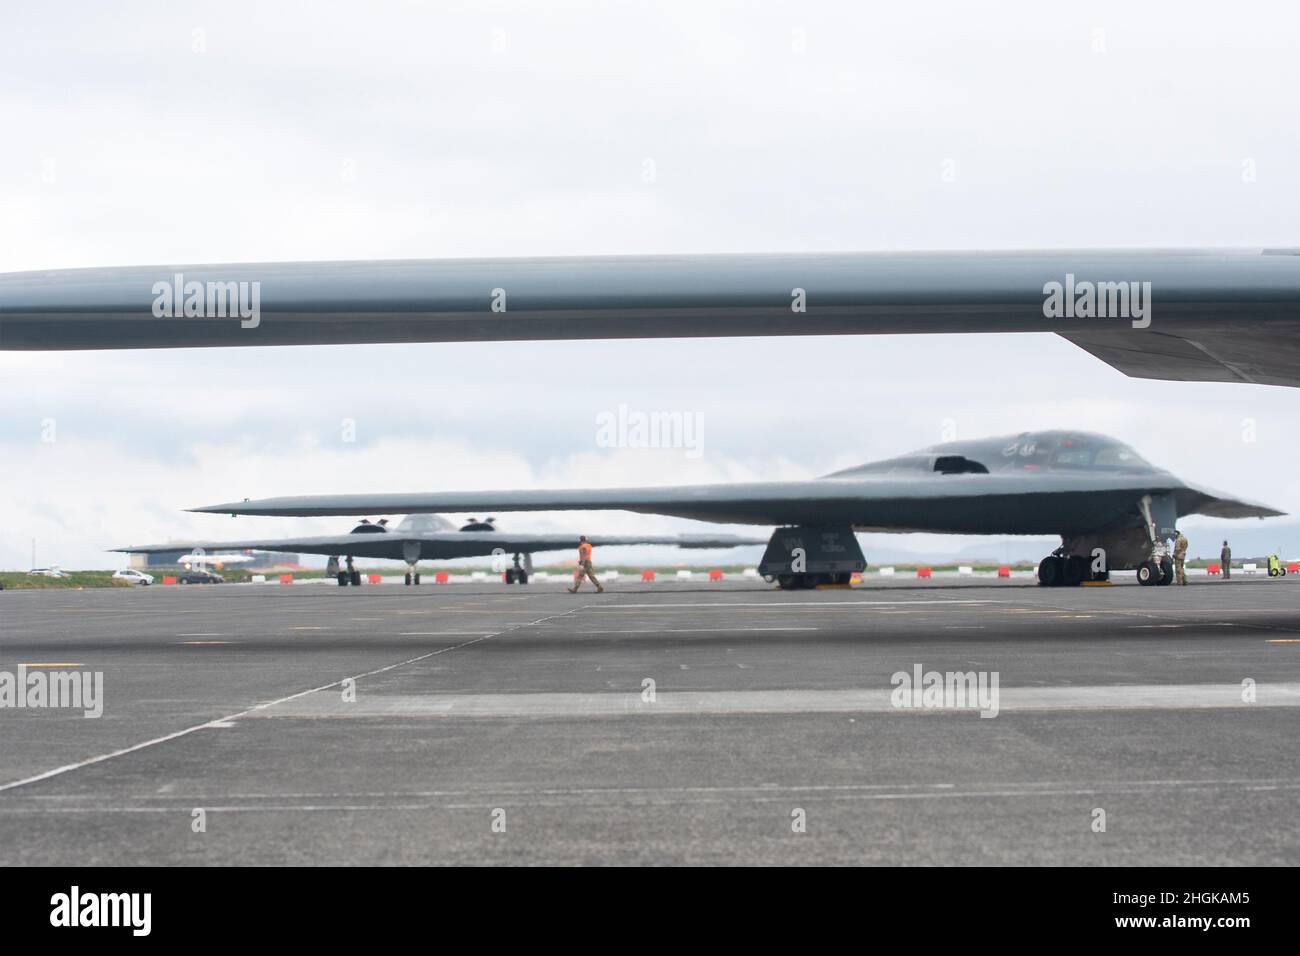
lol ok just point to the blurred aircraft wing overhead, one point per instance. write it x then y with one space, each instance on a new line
1187 315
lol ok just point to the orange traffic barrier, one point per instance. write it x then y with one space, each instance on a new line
286 579
715 574
1293 567
923 572
168 579
647 575
373 578
441 577
1004 571
1213 569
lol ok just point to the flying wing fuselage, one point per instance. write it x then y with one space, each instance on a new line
1097 493
431 537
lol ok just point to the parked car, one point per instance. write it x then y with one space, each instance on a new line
49 573
198 576
132 576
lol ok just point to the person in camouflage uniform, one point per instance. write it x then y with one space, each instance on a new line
1180 558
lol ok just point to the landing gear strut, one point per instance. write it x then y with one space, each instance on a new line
1159 517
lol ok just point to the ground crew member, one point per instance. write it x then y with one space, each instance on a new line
1180 557
1225 559
584 567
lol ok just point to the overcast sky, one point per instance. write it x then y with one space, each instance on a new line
149 133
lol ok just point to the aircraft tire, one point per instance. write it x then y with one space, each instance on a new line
1073 570
1166 571
1049 572
798 582
1148 573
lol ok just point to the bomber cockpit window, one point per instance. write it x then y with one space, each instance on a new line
1074 457
423 524
958 465
1119 456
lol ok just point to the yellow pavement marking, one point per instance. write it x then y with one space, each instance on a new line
56 664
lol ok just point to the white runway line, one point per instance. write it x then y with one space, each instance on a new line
875 700
781 606
699 630
666 796
253 711
649 796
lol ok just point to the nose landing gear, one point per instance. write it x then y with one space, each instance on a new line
518 574
1156 572
349 575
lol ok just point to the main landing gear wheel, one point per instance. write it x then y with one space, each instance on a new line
803 582
1074 571
1066 571
799 557
1166 571
1050 571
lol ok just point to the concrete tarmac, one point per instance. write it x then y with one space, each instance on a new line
666 723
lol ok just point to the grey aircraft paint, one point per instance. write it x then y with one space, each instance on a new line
1207 315
1067 483
430 537
1112 509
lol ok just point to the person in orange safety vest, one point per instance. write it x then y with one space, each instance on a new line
584 567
